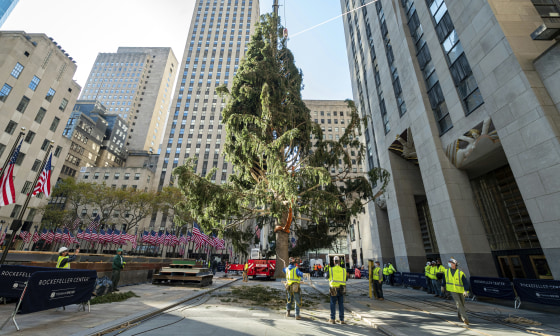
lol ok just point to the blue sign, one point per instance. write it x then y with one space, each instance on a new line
397 277
13 279
52 289
539 291
499 288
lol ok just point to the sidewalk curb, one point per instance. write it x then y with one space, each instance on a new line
128 320
372 322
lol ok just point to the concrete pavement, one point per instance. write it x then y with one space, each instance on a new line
214 311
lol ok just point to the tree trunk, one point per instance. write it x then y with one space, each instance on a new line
282 255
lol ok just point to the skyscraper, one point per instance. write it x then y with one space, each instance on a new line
136 84
218 38
6 7
464 115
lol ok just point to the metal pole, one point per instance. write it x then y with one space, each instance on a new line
275 7
26 203
21 133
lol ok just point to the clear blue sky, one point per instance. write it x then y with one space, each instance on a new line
85 28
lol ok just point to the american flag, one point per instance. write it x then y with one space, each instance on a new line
145 237
218 243
94 225
7 180
293 242
199 237
44 183
160 238
25 236
81 235
76 223
58 235
50 237
131 238
182 239
3 236
257 231
36 237
167 239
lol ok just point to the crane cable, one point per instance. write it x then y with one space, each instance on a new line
332 19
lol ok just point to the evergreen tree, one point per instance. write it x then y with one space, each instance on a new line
281 162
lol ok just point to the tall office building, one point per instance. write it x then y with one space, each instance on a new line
218 38
136 84
464 104
36 92
6 7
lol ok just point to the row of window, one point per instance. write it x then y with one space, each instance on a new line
116 176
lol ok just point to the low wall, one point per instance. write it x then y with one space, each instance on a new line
138 269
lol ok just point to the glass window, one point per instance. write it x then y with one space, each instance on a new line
40 115
36 165
127 176
58 151
50 95
34 83
2 148
54 124
63 104
4 92
20 158
96 176
137 176
11 127
17 70
29 137
22 104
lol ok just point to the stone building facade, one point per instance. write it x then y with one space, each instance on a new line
464 115
36 92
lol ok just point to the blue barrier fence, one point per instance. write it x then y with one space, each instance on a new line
398 277
13 278
414 279
538 291
499 288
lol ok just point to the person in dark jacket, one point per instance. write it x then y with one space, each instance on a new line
118 265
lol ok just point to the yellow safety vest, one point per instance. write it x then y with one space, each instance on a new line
391 269
337 276
60 258
375 275
246 267
440 269
427 271
292 277
432 272
454 283
385 271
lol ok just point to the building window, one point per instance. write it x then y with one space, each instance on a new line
34 83
26 187
57 151
54 124
29 137
96 176
117 176
20 158
22 104
50 95
106 176
11 127
4 92
63 104
2 149
137 176
17 70
127 176
40 115
15 210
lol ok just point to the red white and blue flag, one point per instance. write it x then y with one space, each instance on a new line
94 225
7 180
44 183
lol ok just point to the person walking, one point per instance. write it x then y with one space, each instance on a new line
64 260
337 289
427 276
245 269
118 265
456 283
377 279
293 291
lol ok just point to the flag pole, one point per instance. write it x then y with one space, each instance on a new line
21 133
26 203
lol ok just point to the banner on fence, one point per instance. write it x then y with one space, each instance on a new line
539 291
499 288
397 276
414 279
13 279
52 289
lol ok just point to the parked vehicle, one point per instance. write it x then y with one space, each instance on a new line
261 267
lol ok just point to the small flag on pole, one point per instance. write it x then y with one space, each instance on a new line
44 182
7 180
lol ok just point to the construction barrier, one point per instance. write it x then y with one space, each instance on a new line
538 291
397 276
52 289
13 279
414 279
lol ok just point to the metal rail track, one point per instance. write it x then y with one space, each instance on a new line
182 305
451 307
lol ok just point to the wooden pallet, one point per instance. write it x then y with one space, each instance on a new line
184 273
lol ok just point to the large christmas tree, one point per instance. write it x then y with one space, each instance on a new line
281 162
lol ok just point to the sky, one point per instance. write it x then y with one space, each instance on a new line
85 28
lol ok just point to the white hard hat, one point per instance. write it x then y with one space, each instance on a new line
336 258
62 249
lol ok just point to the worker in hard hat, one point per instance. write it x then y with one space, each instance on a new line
63 258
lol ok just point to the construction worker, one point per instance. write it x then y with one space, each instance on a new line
391 272
456 283
118 265
327 266
63 258
245 269
433 278
427 276
440 275
386 274
293 291
377 279
337 288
